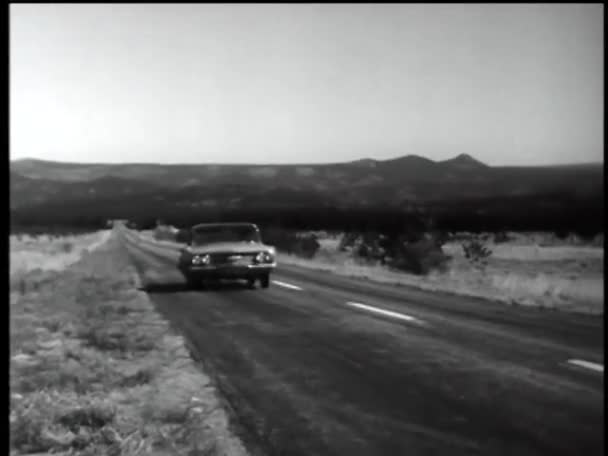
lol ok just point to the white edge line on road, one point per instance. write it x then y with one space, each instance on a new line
388 313
286 285
589 365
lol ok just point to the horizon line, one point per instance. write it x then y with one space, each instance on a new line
463 155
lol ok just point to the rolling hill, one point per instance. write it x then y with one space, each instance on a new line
38 186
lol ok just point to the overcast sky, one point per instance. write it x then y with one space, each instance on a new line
251 83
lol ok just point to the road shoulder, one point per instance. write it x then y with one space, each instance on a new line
95 368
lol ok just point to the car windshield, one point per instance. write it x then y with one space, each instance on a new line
234 233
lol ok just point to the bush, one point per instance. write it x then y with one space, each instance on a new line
307 246
283 240
502 237
420 257
363 251
476 252
369 247
348 240
290 243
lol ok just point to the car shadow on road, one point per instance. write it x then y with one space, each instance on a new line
184 287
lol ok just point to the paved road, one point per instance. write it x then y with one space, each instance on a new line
324 365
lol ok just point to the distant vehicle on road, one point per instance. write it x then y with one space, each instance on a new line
226 251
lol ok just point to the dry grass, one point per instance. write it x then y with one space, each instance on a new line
566 277
47 252
94 369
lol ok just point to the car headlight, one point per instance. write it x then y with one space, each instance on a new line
264 257
201 259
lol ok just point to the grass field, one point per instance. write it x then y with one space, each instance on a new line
569 276
51 253
94 370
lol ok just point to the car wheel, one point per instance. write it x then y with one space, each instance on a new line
196 284
251 283
190 283
265 281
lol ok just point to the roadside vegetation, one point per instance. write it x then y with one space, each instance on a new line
536 269
94 370
51 251
549 270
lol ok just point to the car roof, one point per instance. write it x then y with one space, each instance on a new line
224 225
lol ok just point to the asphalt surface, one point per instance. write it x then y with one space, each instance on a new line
325 365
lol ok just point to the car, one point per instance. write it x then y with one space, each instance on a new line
217 251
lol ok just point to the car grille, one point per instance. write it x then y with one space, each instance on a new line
229 258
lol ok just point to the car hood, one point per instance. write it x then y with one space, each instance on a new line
229 247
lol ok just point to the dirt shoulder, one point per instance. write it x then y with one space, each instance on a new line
95 370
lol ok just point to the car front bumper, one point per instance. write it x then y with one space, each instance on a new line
228 271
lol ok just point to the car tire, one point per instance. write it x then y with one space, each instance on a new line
265 281
251 283
196 284
190 283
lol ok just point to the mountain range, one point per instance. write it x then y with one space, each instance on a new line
396 182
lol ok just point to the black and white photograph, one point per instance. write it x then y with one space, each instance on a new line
306 229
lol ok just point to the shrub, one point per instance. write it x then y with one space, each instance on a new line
476 252
283 240
289 242
419 257
502 237
363 251
370 247
307 246
348 240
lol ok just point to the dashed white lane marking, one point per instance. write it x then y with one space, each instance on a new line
387 313
589 365
286 285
